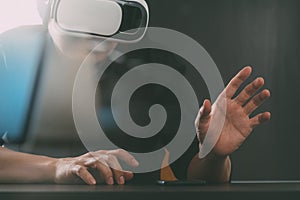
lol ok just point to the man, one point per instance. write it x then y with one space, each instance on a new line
216 167
104 166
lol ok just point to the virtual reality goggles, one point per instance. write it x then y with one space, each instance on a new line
116 20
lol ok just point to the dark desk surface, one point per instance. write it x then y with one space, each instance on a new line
221 191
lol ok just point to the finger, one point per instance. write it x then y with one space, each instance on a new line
249 91
237 80
118 172
84 174
128 175
203 114
102 168
125 156
91 162
256 101
121 176
201 122
105 171
259 119
205 110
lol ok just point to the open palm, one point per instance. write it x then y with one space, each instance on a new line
237 125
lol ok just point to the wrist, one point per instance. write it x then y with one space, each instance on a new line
52 166
215 157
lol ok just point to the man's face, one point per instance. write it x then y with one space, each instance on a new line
79 46
98 48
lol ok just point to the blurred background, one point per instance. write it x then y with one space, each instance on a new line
265 35
236 33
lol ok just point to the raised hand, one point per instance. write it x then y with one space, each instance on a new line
238 125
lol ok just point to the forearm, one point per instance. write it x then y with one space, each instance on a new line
211 168
16 167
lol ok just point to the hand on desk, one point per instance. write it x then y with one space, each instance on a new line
17 167
109 170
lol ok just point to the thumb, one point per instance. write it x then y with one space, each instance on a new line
205 110
202 121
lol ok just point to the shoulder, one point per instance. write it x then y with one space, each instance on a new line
22 36
23 31
23 41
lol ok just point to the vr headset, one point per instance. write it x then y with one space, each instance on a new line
116 20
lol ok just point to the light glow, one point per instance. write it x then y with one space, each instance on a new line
14 13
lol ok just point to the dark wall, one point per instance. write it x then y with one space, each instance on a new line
266 35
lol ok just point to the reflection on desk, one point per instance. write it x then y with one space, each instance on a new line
141 192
